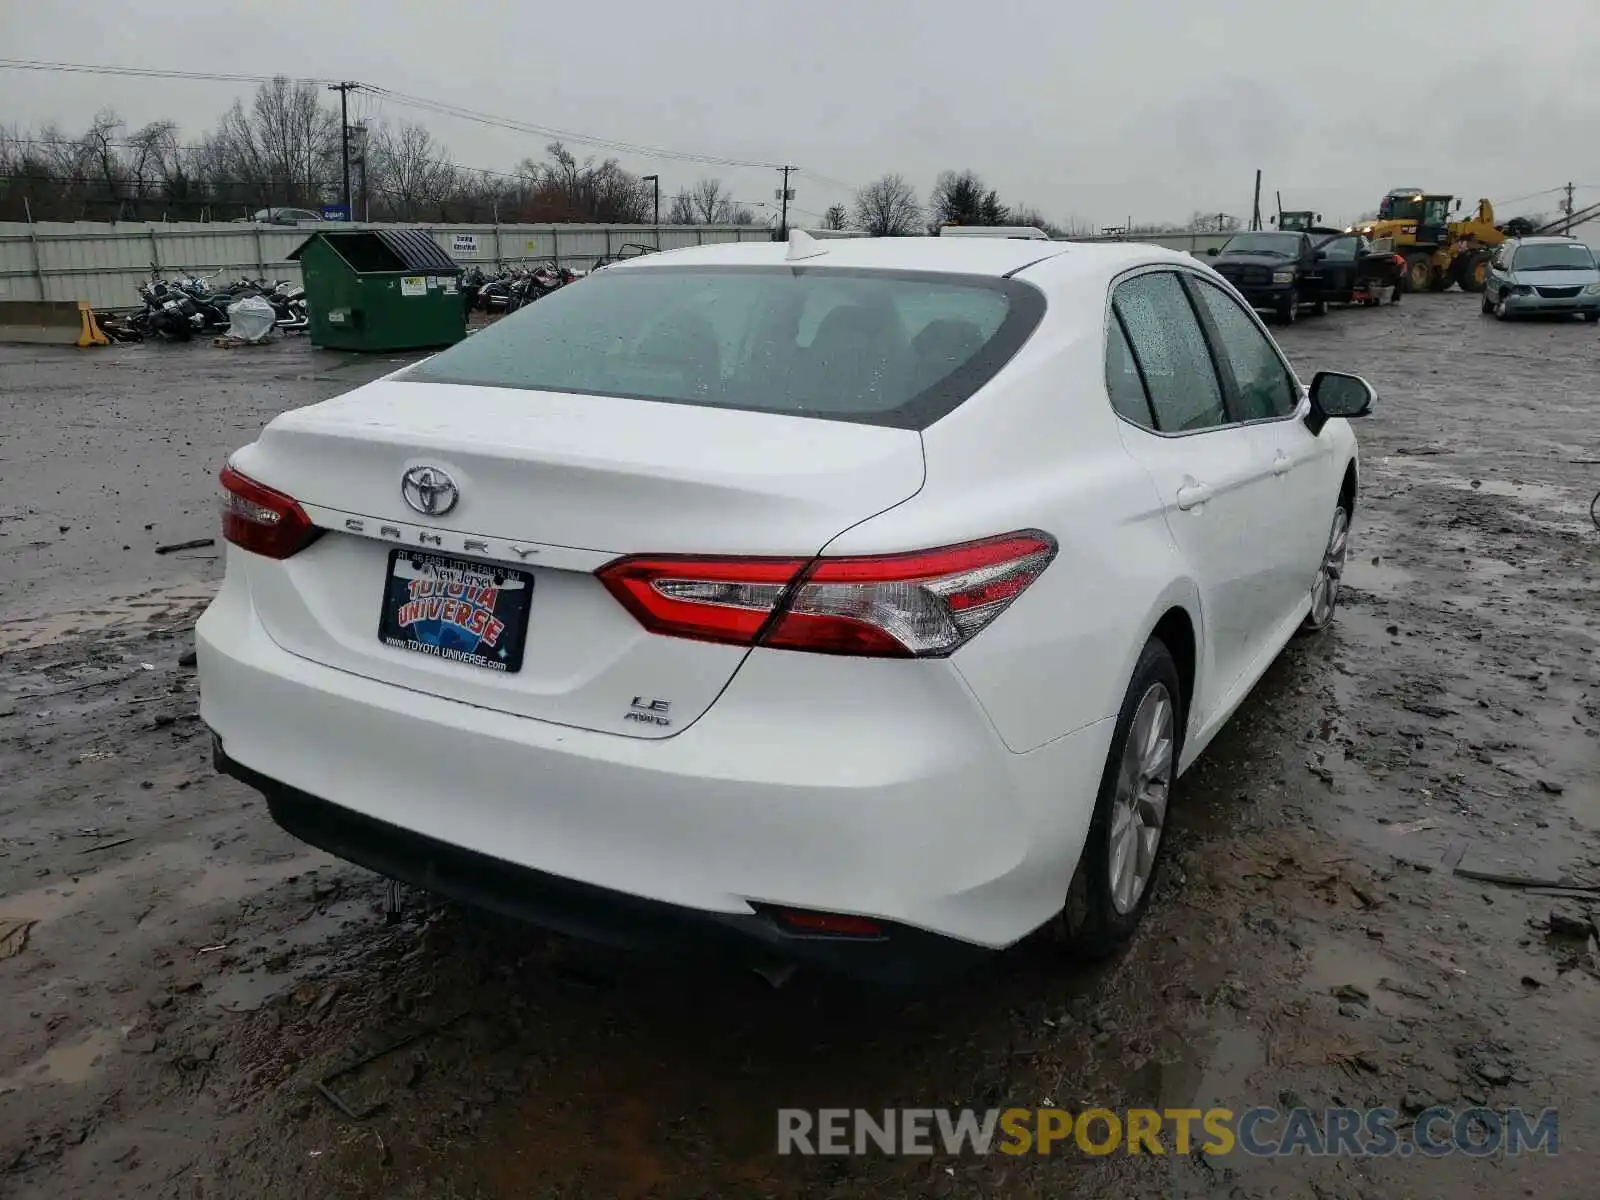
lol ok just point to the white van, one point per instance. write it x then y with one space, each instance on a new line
1026 232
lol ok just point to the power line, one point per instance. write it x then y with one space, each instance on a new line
439 108
466 114
24 64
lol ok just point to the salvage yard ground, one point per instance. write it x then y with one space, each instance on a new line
176 975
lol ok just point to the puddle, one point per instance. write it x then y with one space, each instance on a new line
235 881
74 1063
1381 577
217 883
58 900
1535 495
1213 1072
44 627
1336 964
247 990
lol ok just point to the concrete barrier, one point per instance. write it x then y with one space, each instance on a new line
50 323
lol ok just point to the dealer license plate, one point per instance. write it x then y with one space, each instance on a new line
460 611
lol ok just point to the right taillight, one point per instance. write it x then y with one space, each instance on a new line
262 520
923 604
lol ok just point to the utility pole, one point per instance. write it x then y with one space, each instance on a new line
785 195
655 180
1255 211
358 134
344 89
1567 207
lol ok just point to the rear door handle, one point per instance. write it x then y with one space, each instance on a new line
1281 463
1193 495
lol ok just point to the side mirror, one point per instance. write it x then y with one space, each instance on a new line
1272 220
1322 255
1211 252
1335 394
1319 218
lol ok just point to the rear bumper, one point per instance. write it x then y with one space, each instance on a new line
897 801
901 955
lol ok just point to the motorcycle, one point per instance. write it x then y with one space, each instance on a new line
167 314
540 282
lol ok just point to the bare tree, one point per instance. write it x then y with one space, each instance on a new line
1212 222
707 203
888 207
681 210
408 170
836 217
284 147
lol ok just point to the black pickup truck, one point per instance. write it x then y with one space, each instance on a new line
1275 270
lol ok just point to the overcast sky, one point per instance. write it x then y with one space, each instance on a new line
1094 111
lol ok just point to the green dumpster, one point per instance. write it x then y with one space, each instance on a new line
380 289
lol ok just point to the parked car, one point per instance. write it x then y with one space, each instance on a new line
284 216
1551 275
1275 271
861 615
1354 268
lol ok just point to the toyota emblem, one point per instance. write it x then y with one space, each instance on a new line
429 490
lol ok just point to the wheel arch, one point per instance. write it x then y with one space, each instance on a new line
1178 620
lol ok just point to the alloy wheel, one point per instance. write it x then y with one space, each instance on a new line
1139 808
1325 591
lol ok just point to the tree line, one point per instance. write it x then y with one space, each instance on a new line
283 149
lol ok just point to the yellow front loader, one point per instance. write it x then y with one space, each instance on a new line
1437 250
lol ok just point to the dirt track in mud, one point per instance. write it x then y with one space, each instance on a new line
1322 936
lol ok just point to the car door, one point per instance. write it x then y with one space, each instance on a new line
1337 259
1313 279
1214 485
1304 480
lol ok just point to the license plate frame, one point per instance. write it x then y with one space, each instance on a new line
472 613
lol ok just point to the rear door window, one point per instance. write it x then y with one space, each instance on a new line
1266 389
880 347
1170 350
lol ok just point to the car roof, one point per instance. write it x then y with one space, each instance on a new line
1548 239
992 257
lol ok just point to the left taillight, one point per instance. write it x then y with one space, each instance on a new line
924 604
263 520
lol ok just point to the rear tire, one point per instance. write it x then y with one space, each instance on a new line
1127 832
1591 317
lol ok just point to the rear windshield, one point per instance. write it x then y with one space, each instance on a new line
878 347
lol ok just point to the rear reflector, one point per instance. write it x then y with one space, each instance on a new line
819 924
924 604
261 520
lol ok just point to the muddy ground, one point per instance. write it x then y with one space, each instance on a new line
1323 934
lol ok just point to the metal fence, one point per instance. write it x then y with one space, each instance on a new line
102 262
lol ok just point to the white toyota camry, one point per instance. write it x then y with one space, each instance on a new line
854 602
